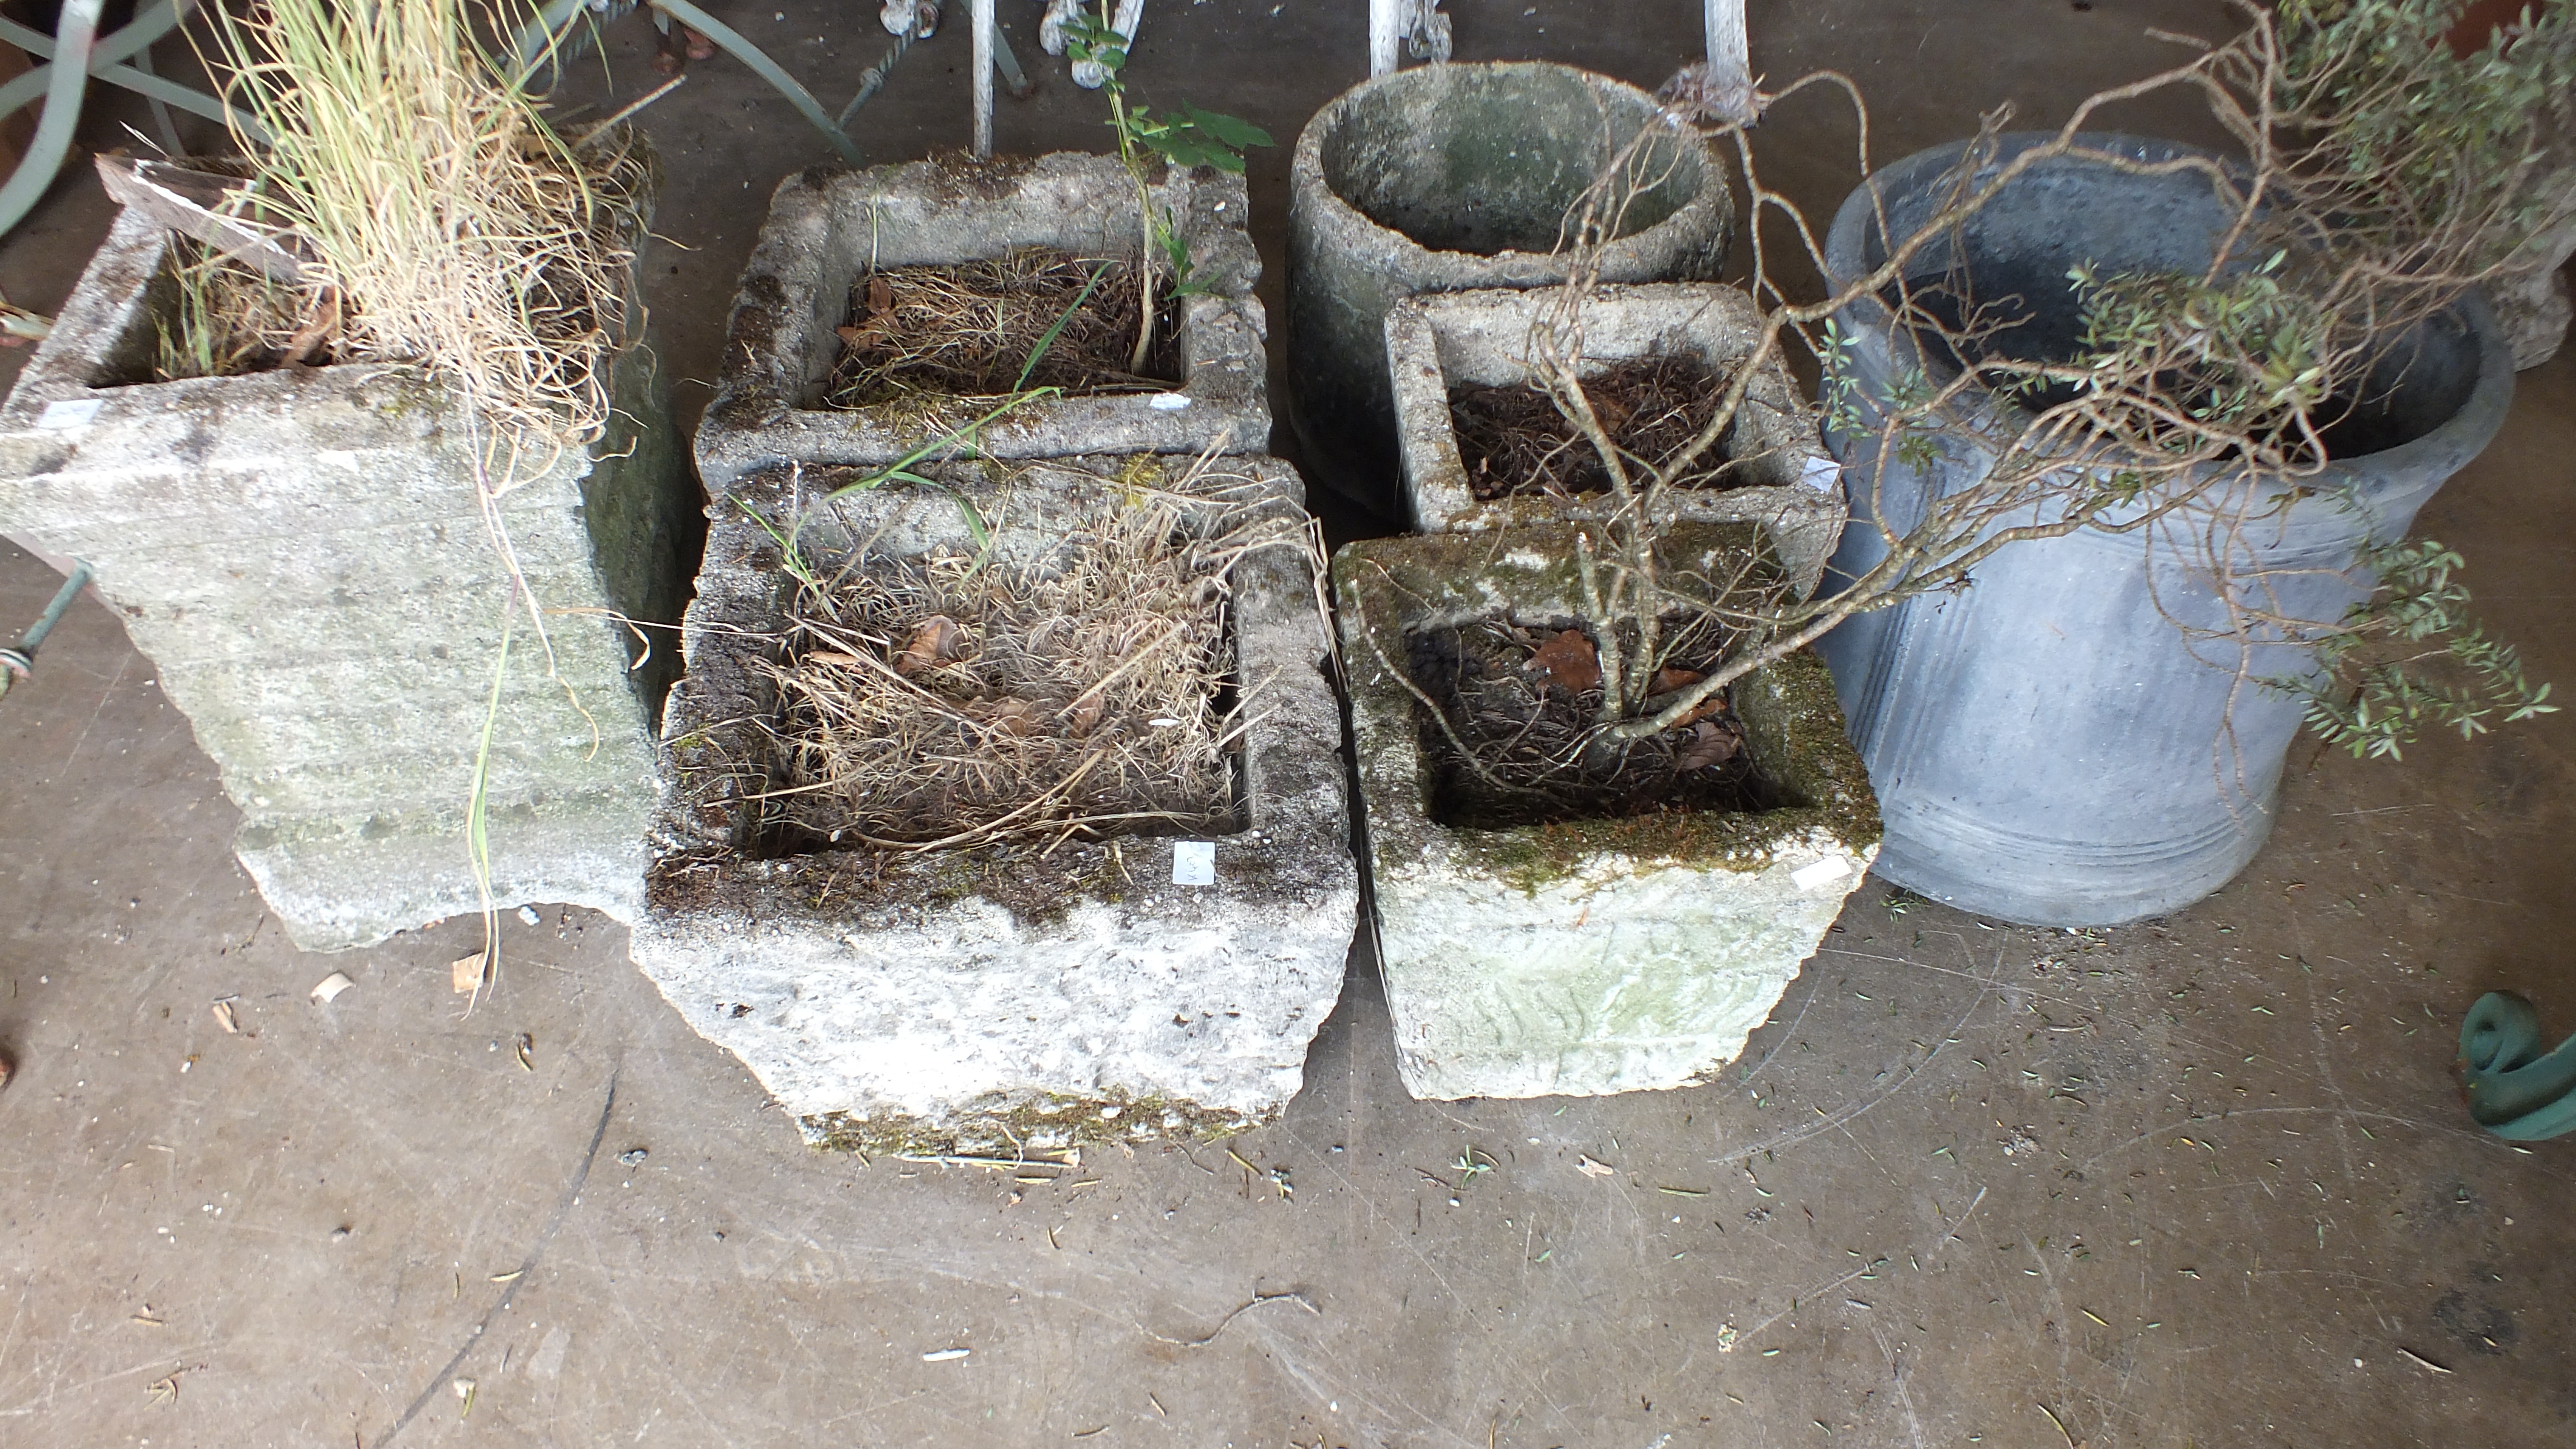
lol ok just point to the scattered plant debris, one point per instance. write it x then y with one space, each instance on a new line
952 699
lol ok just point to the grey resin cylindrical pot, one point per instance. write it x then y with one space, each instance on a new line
2065 743
1452 177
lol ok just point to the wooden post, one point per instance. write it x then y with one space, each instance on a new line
1728 55
1386 33
983 22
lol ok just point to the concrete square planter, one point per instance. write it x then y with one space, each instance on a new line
827 227
966 999
303 557
1788 482
1591 956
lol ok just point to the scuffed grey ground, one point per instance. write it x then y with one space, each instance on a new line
1548 1307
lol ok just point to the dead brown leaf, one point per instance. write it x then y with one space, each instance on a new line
1011 716
1570 661
1668 680
1085 714
880 296
1710 743
935 642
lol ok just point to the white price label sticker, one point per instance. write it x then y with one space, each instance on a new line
1194 862
1824 872
1821 474
63 415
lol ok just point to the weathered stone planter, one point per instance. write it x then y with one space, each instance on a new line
1784 479
1451 177
303 557
827 227
1596 956
953 998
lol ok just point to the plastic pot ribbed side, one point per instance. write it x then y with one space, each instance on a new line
2071 740
1451 177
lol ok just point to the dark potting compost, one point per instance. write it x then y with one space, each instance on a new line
1516 705
1514 438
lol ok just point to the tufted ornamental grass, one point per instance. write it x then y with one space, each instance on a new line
445 222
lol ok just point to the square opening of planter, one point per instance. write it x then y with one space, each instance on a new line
306 557
1484 446
1008 809
888 308
1551 922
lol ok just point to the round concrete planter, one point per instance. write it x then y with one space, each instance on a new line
303 557
1451 177
2073 740
960 1000
1585 957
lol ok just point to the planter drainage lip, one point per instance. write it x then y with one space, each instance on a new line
1597 956
1337 217
1478 338
935 1005
302 557
827 225
1854 238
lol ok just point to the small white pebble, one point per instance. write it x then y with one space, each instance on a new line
529 915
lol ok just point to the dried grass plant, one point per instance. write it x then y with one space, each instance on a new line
953 699
446 222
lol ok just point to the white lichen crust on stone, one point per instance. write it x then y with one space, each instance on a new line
303 557
828 227
998 997
1585 957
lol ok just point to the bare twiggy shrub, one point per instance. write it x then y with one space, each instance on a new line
2379 179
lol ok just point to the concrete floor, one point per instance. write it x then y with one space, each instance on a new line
2195 1183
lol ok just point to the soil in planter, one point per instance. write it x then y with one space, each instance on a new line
951 700
1514 440
2020 316
968 330
1522 702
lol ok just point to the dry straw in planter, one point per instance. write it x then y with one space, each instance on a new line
954 698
